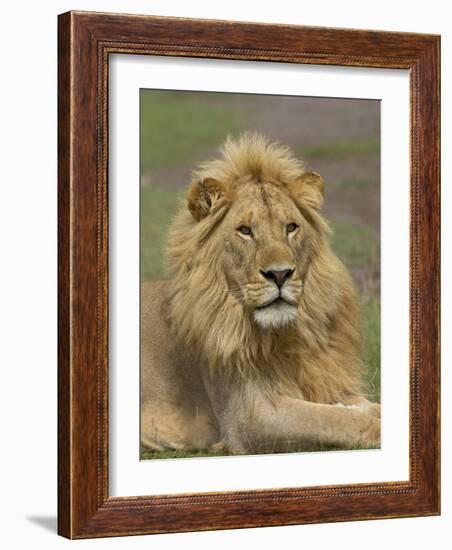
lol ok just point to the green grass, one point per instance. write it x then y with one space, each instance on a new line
341 149
355 244
158 207
178 127
370 314
146 454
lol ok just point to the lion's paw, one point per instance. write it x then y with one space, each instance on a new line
370 436
218 447
374 409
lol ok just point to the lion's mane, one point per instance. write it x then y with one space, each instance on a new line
319 355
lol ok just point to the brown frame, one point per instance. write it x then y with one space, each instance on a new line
85 41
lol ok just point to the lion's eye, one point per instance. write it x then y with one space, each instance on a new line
245 230
291 227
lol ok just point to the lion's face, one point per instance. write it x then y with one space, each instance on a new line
264 240
264 244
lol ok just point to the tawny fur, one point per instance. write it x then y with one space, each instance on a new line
320 356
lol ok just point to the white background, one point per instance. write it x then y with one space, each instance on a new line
128 476
28 271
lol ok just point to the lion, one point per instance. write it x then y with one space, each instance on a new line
253 343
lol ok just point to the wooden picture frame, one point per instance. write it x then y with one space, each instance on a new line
85 42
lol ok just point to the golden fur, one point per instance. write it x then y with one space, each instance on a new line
291 345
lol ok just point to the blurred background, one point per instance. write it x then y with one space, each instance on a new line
339 138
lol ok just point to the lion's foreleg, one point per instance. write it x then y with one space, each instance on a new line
361 402
293 423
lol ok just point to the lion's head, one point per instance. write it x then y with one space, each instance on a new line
264 241
249 256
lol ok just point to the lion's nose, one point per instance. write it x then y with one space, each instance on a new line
279 276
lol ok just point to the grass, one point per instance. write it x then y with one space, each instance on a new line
355 244
370 315
344 148
146 454
178 127
158 207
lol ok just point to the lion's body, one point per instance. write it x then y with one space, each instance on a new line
176 412
254 340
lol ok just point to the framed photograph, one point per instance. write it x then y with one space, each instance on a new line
248 275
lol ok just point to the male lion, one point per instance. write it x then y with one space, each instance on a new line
253 342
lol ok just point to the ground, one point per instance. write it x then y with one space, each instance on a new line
339 138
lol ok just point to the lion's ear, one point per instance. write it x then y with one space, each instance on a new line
308 188
204 196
